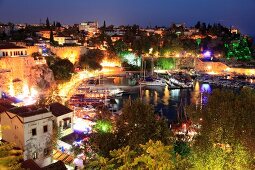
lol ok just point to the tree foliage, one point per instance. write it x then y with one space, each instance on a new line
10 158
151 155
227 133
136 125
62 68
165 63
92 59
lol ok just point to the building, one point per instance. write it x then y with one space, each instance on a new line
4 28
89 27
116 37
31 129
114 31
65 40
63 117
12 50
45 34
190 31
234 30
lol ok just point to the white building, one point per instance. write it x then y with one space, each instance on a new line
63 117
90 27
30 128
11 50
62 40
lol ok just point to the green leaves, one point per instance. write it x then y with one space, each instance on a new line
225 140
165 63
62 68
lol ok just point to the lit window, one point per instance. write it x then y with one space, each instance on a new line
33 132
45 128
35 155
46 152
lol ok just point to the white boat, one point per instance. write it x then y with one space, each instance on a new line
157 82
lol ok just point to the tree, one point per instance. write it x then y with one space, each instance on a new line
227 128
58 24
104 26
120 46
51 37
92 59
138 124
62 69
165 63
151 155
10 158
47 23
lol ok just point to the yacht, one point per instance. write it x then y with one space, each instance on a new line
153 82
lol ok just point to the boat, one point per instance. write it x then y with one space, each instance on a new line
148 81
172 86
181 80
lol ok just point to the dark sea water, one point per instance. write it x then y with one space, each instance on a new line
165 101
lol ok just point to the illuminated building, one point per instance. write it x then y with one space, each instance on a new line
30 129
44 33
90 27
11 50
63 117
116 37
63 40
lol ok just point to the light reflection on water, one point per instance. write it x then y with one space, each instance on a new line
166 100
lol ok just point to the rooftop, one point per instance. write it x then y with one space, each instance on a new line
29 164
27 111
9 46
5 105
59 165
58 109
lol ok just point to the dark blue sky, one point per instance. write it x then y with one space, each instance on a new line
240 13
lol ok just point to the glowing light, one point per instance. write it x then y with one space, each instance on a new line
103 126
131 58
109 63
150 50
82 125
11 89
25 90
207 54
205 88
209 67
212 73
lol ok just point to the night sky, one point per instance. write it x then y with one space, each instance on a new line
239 13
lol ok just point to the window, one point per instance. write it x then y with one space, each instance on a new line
46 152
45 128
21 52
35 155
11 53
33 132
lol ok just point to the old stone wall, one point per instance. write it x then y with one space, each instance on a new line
216 67
71 53
18 72
185 62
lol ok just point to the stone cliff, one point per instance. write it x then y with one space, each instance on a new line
17 73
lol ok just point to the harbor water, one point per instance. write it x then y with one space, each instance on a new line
165 101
